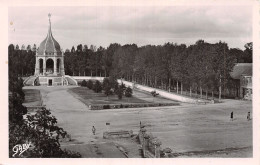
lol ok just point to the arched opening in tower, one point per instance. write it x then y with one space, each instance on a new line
58 65
49 66
41 66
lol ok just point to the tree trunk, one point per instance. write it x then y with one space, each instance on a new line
91 73
200 92
177 87
155 82
181 88
206 93
190 91
169 84
212 95
219 97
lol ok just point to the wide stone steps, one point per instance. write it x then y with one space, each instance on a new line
70 80
30 81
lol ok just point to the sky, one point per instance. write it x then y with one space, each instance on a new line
141 25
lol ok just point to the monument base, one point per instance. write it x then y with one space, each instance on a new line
51 81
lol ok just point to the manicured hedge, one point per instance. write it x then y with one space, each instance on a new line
118 106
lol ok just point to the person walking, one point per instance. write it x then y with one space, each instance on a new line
248 116
231 116
93 130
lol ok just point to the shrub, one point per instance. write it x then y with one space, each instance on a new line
106 106
84 83
154 93
128 92
97 87
120 92
90 84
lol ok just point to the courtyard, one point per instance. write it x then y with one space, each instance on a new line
186 128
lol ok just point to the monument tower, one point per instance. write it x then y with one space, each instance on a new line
49 66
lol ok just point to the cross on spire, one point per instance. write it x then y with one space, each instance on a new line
49 15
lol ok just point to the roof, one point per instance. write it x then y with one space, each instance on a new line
49 44
241 69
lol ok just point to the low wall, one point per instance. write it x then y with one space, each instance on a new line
117 134
81 78
125 105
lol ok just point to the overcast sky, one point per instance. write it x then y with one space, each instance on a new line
101 26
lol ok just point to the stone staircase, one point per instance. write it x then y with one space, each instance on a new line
30 81
70 80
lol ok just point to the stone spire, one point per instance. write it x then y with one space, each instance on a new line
49 45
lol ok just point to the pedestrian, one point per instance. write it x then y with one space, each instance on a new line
231 116
93 130
248 116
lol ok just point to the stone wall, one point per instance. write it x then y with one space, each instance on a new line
151 146
81 78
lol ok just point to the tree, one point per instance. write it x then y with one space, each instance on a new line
120 92
85 48
72 49
28 48
90 84
248 53
128 92
84 83
39 129
79 48
97 87
154 94
107 87
23 47
42 132
17 47
11 48
34 48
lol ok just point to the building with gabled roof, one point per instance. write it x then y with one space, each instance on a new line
243 73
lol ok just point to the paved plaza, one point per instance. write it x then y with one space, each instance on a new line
184 128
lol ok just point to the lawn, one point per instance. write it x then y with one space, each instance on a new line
32 97
89 97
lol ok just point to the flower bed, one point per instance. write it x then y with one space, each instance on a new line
139 105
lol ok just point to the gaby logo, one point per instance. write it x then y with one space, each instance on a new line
21 148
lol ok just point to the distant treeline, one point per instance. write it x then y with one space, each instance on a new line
200 67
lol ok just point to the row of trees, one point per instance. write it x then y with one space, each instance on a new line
201 67
21 61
